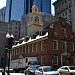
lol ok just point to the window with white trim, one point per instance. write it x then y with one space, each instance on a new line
16 51
64 45
33 47
42 60
55 60
64 32
23 48
37 19
72 46
42 45
55 44
26 48
36 46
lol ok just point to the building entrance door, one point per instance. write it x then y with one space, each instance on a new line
64 59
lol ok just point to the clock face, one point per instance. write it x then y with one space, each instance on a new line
63 23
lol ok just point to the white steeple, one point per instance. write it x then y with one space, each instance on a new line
34 9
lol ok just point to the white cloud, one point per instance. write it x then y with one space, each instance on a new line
2 3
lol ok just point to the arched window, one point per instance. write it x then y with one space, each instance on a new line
31 19
35 10
36 19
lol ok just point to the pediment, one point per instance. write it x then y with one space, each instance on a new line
65 54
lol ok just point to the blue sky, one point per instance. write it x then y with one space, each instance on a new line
3 3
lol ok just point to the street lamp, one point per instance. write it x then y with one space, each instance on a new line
5 59
9 45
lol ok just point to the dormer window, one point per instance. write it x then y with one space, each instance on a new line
64 32
31 19
63 24
35 10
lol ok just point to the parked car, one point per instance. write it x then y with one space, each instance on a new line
31 70
67 70
46 70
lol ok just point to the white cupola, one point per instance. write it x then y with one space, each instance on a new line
35 21
34 9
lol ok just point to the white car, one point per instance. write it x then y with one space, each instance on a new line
46 70
67 70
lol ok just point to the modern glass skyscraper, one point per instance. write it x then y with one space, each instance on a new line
15 9
44 5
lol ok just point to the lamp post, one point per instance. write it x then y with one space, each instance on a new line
5 59
10 42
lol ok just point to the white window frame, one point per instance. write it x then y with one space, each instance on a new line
32 47
42 42
28 48
36 46
25 49
72 45
65 44
56 44
42 60
56 60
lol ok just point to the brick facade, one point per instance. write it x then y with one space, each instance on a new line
55 49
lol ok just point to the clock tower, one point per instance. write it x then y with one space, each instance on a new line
35 22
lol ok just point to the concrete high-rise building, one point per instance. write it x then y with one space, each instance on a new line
14 28
2 14
15 9
66 9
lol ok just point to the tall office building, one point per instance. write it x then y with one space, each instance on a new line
2 14
66 9
15 9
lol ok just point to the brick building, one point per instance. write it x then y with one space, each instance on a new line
55 48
